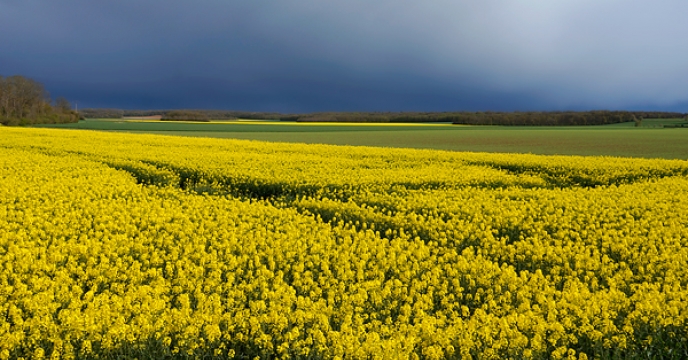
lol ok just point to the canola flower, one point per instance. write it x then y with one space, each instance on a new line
143 246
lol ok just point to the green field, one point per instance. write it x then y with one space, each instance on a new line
179 127
651 140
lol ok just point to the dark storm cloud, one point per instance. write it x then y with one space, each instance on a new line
307 55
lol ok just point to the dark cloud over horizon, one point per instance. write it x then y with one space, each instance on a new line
306 55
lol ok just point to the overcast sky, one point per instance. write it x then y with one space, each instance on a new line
383 55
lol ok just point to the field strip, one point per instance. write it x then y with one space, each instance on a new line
292 123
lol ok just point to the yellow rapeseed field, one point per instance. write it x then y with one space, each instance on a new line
141 246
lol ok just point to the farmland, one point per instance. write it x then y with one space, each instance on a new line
648 141
139 245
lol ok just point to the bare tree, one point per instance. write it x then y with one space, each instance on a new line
63 105
25 101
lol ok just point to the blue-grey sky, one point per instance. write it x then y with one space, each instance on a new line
384 55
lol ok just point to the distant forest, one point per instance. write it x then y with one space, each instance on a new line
554 118
194 115
24 101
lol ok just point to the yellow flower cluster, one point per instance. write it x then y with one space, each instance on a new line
143 246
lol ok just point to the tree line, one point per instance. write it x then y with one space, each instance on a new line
566 118
185 115
555 118
190 114
24 101
533 118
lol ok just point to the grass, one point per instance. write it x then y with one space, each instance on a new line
648 141
238 126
